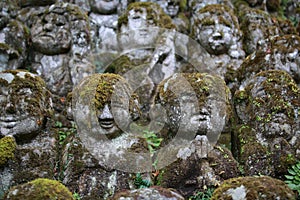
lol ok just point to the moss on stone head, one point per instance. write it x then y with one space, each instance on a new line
38 189
224 14
154 13
262 187
281 95
101 87
285 44
40 96
7 148
203 85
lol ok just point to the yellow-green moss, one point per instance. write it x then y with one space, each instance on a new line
39 97
201 84
262 187
39 189
7 149
101 87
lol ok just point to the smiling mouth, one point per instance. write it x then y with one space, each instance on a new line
107 123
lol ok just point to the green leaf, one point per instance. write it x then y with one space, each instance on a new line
292 172
289 177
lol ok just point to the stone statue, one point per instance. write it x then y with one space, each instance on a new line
257 26
177 10
25 104
268 108
61 47
282 54
14 38
217 30
104 20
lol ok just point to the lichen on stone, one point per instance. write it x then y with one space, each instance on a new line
7 149
261 187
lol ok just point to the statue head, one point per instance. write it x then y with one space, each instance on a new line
216 28
25 104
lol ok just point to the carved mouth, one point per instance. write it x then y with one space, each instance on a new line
10 122
107 124
143 32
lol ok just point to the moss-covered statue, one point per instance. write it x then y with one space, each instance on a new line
268 111
61 46
25 109
257 26
39 189
25 104
283 53
105 150
14 38
273 7
192 110
196 5
251 187
177 10
104 20
146 36
217 30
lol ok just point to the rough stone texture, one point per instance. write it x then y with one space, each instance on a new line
217 30
189 101
25 104
198 166
261 187
99 160
257 26
268 108
157 193
39 189
14 38
282 54
55 150
60 50
34 159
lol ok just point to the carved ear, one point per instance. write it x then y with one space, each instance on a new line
48 104
134 108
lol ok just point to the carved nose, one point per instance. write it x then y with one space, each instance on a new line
106 114
48 27
10 108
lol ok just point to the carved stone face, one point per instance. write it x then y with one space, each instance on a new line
139 25
13 44
216 38
257 26
24 104
216 29
195 103
51 33
114 105
104 6
271 104
170 7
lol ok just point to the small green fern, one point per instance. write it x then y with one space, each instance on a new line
206 195
293 178
139 182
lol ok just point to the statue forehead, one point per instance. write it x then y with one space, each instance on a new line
134 11
21 79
